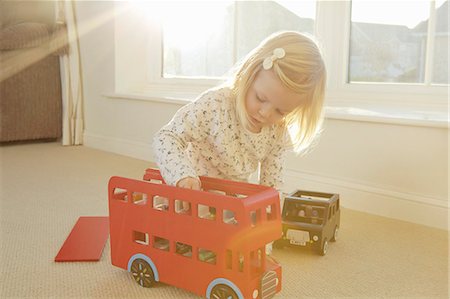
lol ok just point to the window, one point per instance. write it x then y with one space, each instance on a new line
139 198
388 46
229 217
206 212
120 194
271 212
183 249
140 237
229 259
256 261
182 207
161 243
207 256
255 217
365 78
160 203
217 34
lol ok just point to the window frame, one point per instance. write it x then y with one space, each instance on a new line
423 104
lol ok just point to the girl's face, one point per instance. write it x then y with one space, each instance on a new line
268 101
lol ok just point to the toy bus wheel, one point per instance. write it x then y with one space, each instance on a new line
324 248
142 273
336 234
222 291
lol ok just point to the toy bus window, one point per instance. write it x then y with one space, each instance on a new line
240 195
182 207
270 211
337 205
140 237
139 198
160 203
156 181
161 243
255 217
241 262
120 194
256 261
183 249
229 259
207 256
229 217
218 192
206 212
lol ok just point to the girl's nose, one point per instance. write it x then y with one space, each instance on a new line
266 111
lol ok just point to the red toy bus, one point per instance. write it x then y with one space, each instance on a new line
210 242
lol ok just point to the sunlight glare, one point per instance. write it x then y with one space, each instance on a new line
188 23
407 13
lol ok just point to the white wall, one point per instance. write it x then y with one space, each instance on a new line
394 170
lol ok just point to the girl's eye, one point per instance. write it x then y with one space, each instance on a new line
280 113
259 99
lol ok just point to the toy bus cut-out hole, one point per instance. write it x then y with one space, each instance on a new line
183 249
207 256
155 181
270 211
140 237
206 212
217 191
161 243
139 198
229 217
255 217
160 203
120 194
182 207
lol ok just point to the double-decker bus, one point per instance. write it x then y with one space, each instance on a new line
210 242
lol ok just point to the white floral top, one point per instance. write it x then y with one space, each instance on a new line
205 137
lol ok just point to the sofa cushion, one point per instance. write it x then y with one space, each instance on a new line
23 35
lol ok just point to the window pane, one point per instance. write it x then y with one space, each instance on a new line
207 38
197 38
440 65
258 19
388 41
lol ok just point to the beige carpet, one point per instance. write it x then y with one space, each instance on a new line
45 188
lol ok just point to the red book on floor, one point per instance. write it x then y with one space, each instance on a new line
86 240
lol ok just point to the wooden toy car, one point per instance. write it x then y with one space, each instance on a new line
310 219
210 242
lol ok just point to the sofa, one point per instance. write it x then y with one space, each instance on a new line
30 83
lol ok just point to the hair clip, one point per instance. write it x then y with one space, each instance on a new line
278 53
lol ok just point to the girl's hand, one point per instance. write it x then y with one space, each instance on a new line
190 183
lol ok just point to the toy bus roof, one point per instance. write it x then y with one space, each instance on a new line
313 197
245 192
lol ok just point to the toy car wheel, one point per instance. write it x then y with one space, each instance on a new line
142 273
278 244
222 291
324 248
336 234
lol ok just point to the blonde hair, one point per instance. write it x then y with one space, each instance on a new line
301 70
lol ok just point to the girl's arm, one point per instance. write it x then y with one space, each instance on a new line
192 123
272 168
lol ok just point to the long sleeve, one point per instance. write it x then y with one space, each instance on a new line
272 167
192 123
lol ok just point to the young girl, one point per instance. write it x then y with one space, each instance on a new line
273 104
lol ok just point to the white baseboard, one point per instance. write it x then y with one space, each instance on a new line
360 196
138 150
382 201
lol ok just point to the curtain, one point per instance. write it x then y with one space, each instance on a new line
71 73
